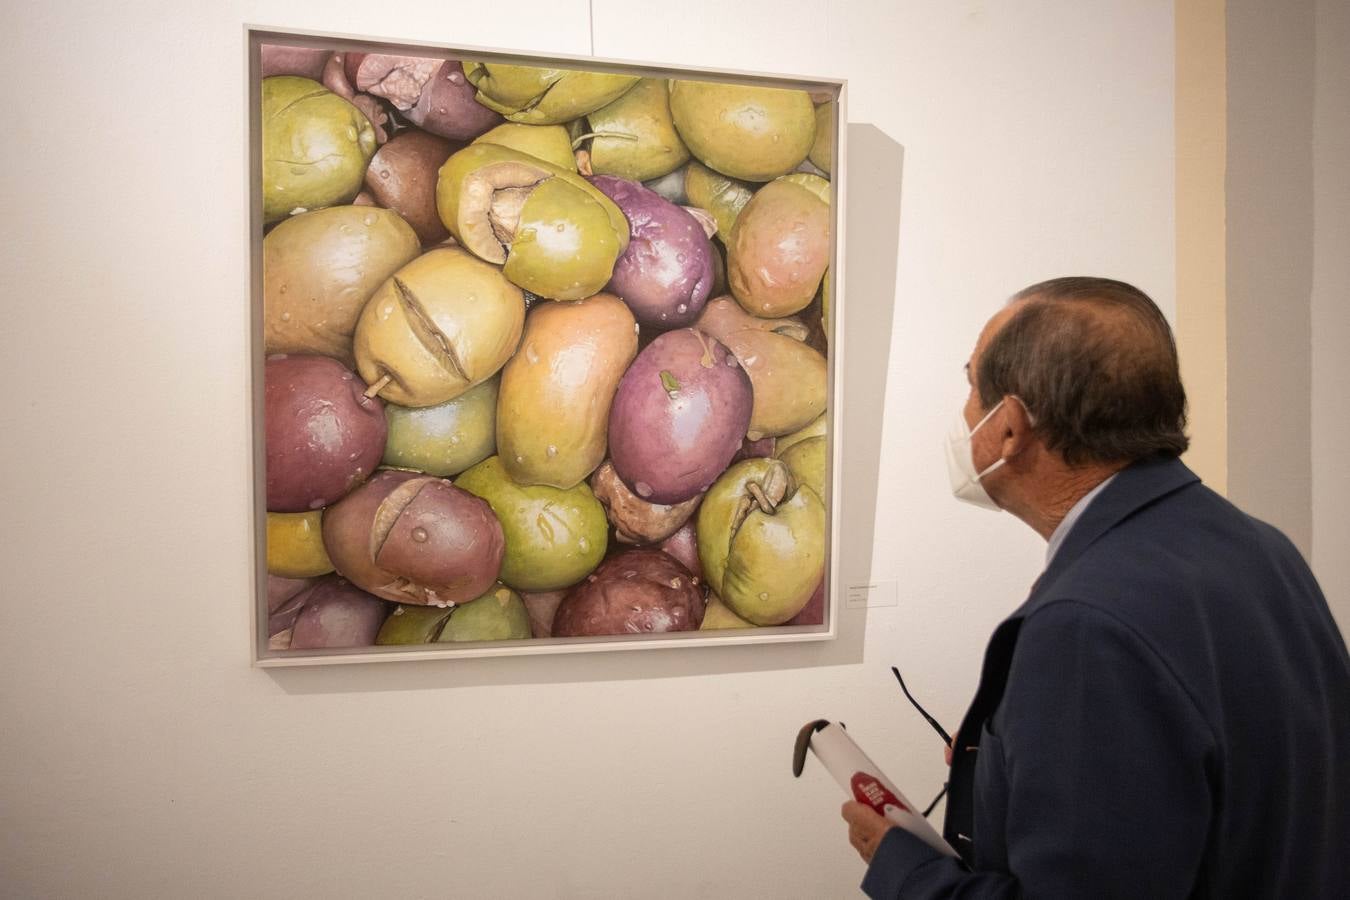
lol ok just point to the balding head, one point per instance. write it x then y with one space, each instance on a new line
1094 362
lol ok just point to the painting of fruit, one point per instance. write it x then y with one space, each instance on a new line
545 356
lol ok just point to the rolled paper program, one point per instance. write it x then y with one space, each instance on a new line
864 781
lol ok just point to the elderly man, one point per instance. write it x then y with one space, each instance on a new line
1168 713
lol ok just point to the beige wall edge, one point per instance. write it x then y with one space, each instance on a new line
1201 165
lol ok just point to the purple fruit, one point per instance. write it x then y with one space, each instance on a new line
678 416
336 613
447 107
683 545
415 539
432 93
813 613
280 589
278 59
282 619
666 274
324 436
755 449
637 592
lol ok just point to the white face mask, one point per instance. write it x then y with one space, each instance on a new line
961 462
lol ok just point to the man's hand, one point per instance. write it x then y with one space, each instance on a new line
865 828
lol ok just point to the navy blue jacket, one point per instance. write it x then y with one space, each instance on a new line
1168 715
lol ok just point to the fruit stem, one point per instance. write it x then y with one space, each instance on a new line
595 134
761 498
379 385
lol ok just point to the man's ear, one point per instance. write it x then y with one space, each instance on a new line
1018 430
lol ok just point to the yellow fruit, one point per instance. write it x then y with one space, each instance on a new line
295 545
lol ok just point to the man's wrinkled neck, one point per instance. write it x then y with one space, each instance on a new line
1056 491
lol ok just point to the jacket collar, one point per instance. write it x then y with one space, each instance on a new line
1135 487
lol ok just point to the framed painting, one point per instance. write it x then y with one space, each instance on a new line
544 354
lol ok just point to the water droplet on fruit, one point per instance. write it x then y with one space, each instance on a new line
763 595
676 583
644 489
384 173
682 308
561 228
552 451
531 355
285 317
369 219
351 133
316 503
583 545
419 535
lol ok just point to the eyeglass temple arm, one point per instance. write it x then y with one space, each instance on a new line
942 732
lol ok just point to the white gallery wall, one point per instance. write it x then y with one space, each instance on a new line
994 144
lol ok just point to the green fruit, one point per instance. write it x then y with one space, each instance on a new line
816 428
542 96
744 131
722 196
554 234
822 148
554 537
789 379
315 147
719 616
634 137
445 439
806 459
565 246
498 615
413 624
761 541
813 183
440 325
550 143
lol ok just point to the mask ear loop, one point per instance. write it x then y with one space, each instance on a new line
989 415
1031 417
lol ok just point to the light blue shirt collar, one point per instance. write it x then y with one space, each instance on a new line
1062 530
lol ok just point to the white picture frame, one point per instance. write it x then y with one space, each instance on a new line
834 88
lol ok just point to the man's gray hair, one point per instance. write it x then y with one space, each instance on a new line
1095 363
